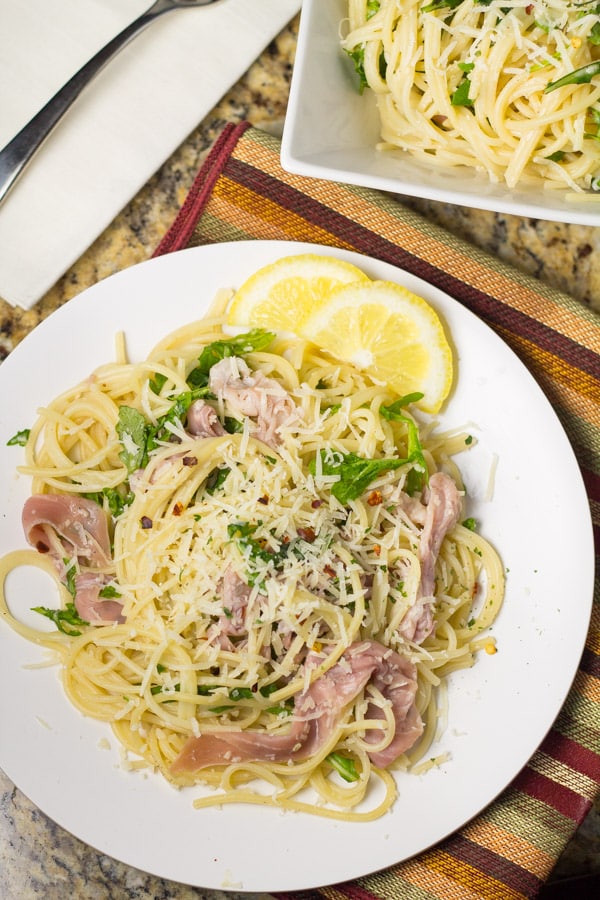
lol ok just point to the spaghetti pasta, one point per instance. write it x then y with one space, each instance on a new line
288 578
509 89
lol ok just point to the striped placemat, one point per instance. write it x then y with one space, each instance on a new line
242 193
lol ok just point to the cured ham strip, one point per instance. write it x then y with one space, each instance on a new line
317 712
202 420
396 678
442 512
90 606
80 525
252 394
67 526
235 594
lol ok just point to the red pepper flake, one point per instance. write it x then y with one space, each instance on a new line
316 504
190 460
307 534
178 509
264 500
375 498
329 571
377 549
146 522
285 539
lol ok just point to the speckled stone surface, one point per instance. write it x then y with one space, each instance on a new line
38 859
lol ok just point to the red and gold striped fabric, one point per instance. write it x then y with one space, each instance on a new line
242 193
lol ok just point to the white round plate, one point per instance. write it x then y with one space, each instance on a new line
500 710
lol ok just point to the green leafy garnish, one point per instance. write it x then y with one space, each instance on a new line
417 476
470 523
157 383
594 35
66 620
132 429
460 97
19 439
344 766
255 550
267 689
357 55
256 339
70 575
216 479
355 472
240 693
139 437
118 499
441 4
578 76
109 592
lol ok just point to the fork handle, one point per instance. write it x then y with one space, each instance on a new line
17 153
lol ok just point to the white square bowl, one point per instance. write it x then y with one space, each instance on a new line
331 132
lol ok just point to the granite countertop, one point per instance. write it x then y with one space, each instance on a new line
39 859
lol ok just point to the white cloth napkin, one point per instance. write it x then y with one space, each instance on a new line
123 126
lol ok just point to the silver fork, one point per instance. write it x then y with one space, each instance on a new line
17 153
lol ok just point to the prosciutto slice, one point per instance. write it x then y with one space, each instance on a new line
90 606
67 525
442 512
252 394
202 420
235 594
317 711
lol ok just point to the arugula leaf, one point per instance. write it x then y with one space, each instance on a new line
284 709
417 476
256 339
139 437
66 620
216 479
254 550
132 429
267 689
156 384
70 575
240 693
344 765
460 97
594 35
357 55
19 439
118 499
109 592
356 473
578 76
441 4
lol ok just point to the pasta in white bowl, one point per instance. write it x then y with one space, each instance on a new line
487 105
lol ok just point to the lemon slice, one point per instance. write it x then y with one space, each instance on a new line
396 335
283 294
